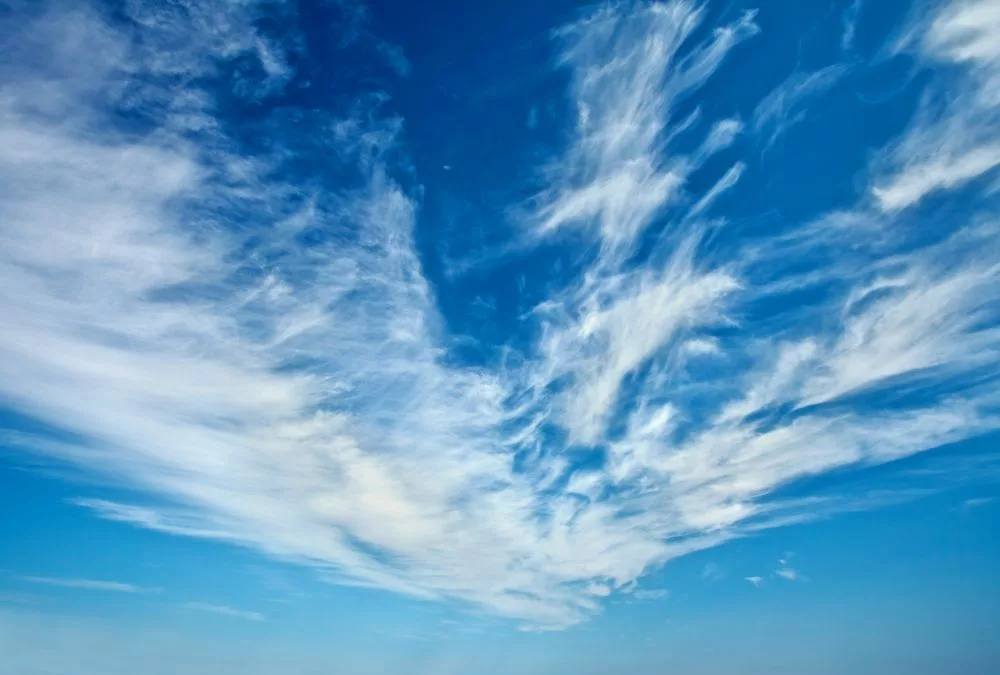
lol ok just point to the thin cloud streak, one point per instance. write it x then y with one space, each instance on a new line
87 584
785 105
224 610
850 22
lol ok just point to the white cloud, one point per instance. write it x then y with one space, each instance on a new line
86 584
850 22
954 137
965 32
777 384
728 180
977 502
223 610
936 173
756 581
784 106
651 594
722 135
618 326
789 574
925 315
615 178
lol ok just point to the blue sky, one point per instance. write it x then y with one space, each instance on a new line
471 338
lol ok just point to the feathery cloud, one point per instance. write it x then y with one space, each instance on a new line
630 66
784 106
953 139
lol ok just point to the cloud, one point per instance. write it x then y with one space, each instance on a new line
223 610
617 326
784 106
396 58
712 572
651 594
850 22
977 502
353 28
86 584
756 581
953 138
728 180
789 574
614 177
244 336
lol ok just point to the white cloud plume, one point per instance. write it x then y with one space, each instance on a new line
260 355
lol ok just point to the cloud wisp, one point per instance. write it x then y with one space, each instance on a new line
629 70
789 574
86 584
261 358
849 19
223 610
785 105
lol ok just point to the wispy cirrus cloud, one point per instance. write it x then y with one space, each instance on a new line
953 138
224 610
977 502
86 584
617 175
849 18
245 335
785 105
